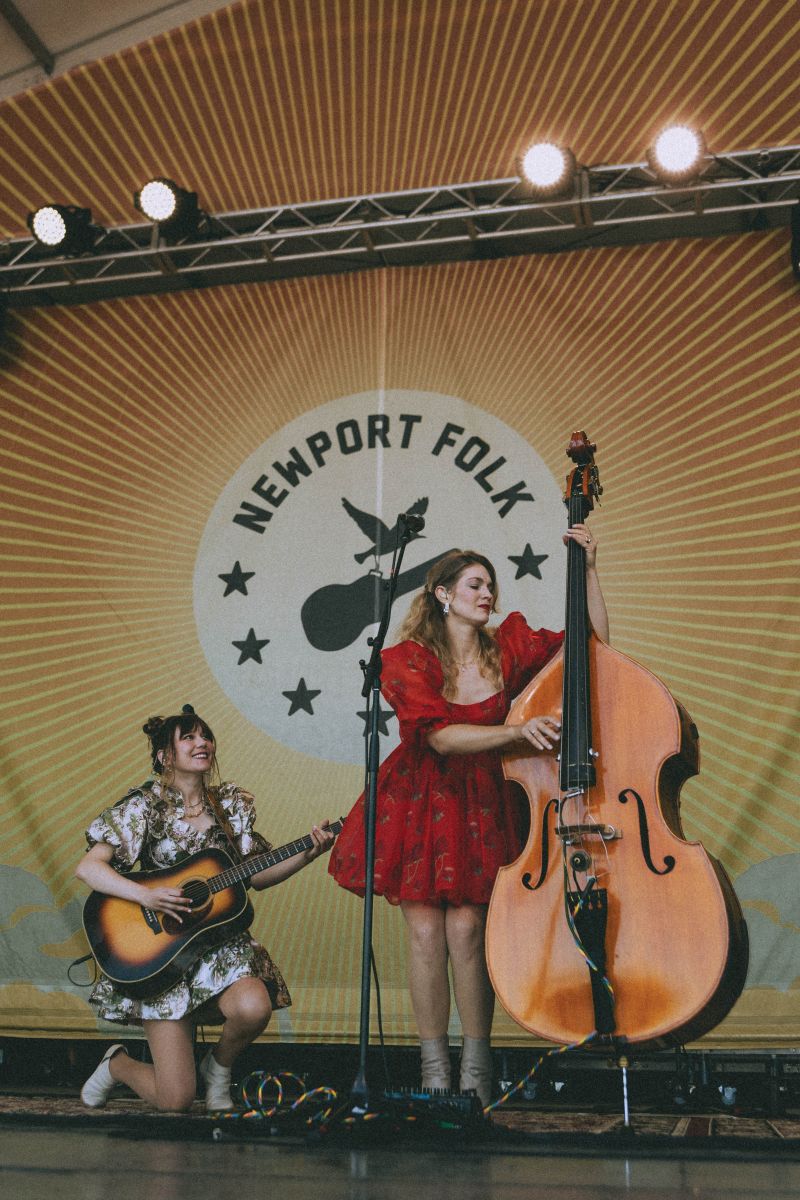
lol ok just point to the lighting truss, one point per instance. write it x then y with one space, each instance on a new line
610 205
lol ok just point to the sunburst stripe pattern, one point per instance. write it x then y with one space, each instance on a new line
125 418
266 102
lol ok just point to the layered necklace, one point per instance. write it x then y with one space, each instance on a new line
199 808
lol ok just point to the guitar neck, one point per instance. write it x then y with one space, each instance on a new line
252 866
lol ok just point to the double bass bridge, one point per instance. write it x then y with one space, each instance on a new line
569 834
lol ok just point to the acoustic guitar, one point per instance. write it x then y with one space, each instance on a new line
144 951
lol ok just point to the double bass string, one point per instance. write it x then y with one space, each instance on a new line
576 776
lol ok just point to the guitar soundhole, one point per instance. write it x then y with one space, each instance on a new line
197 890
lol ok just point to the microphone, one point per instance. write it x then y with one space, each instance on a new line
412 522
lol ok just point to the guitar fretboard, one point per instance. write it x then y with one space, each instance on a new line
246 870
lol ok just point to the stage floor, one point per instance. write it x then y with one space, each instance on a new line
51 1146
69 1164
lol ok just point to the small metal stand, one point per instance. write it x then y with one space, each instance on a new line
626 1112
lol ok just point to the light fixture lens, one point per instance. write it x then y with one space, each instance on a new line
158 200
545 165
677 152
48 226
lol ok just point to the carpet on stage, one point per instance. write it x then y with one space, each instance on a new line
540 1130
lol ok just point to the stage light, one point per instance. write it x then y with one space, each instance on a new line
48 226
63 227
549 169
158 200
170 207
677 154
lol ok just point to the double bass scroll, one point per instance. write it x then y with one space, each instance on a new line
610 922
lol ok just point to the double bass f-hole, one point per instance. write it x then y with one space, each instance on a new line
644 833
545 844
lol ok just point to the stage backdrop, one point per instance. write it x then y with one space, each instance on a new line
185 477
185 485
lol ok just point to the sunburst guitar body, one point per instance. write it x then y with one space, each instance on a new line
144 952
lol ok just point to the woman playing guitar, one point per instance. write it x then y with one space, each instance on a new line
233 982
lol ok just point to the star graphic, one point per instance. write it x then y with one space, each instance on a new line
236 580
251 647
301 697
528 562
385 715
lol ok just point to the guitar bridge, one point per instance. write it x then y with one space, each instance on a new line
151 917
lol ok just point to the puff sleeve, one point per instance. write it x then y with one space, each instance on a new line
412 682
123 826
240 809
524 650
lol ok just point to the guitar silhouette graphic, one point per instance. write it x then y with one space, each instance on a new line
335 615
382 537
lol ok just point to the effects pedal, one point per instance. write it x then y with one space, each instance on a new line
439 1107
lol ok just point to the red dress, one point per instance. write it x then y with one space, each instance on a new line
445 824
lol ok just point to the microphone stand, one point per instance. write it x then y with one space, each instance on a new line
359 1093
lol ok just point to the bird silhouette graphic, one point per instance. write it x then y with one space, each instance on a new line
382 537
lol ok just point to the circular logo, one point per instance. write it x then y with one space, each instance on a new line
291 570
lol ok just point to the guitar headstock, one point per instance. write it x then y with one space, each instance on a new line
584 479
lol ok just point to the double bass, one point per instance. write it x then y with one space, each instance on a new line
610 925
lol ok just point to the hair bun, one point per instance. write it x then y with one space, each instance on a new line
152 726
187 708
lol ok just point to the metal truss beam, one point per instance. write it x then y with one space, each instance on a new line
610 205
28 36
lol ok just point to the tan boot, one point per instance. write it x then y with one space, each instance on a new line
476 1068
435 1064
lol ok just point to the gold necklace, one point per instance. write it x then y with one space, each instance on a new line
469 662
197 810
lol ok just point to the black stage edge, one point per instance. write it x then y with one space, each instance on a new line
763 1083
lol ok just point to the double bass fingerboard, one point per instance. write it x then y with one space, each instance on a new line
577 769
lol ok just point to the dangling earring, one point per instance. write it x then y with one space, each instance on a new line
446 608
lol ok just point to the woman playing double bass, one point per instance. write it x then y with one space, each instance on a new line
446 818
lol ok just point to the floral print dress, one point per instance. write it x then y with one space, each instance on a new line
445 824
147 826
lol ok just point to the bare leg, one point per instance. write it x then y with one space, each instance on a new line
465 926
246 1007
430 989
427 967
170 1083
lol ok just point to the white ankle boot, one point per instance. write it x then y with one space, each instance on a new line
101 1082
476 1068
435 1063
218 1084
